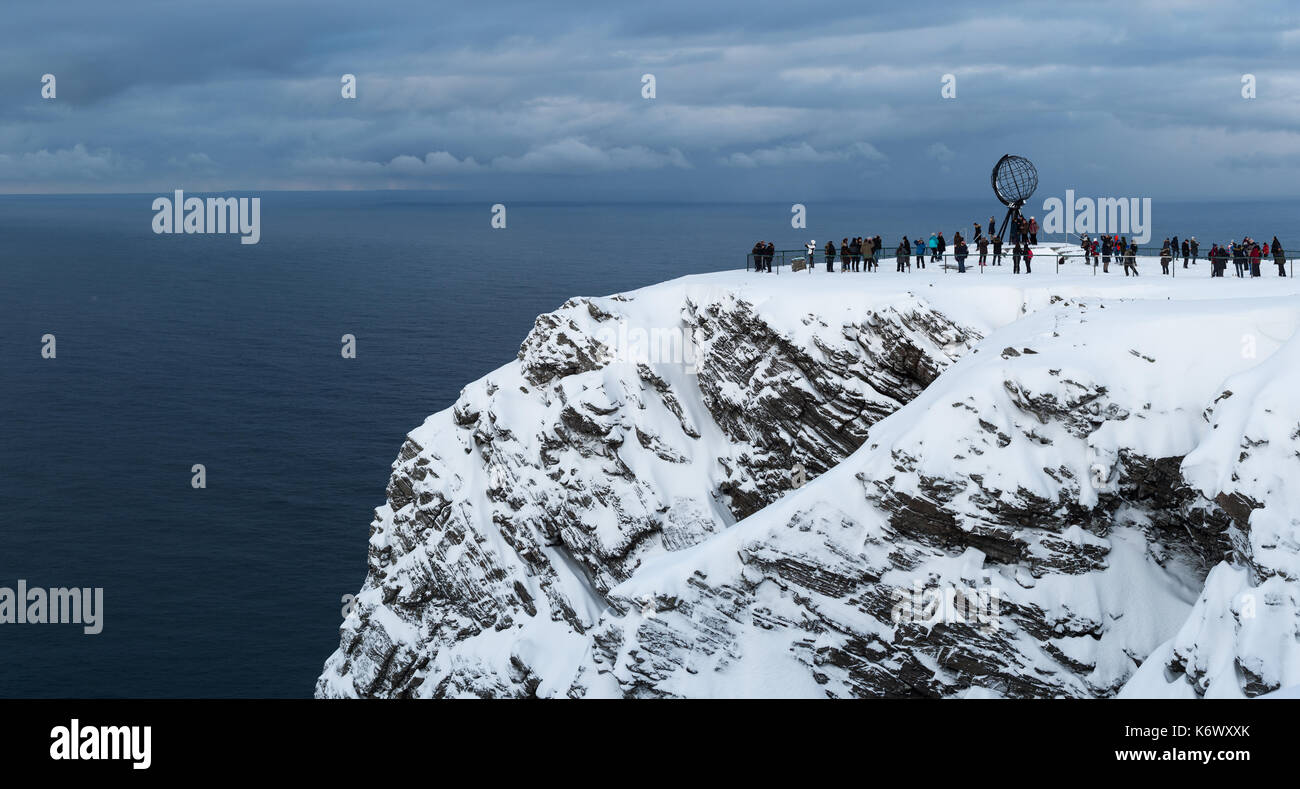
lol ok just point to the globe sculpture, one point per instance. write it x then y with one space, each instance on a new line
1014 180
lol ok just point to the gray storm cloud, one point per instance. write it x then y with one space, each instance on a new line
546 101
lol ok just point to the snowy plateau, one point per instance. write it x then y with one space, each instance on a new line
1112 462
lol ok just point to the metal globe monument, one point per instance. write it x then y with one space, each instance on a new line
1014 179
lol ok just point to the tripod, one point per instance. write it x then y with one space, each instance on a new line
1013 210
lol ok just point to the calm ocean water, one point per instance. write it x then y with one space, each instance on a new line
176 350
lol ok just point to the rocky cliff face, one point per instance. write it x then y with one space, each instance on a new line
629 427
1243 635
1010 492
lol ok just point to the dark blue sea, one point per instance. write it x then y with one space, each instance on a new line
184 349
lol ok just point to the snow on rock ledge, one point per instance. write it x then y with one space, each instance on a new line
615 515
1243 636
630 427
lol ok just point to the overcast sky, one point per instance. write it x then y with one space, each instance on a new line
543 101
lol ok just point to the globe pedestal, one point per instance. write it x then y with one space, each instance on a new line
1012 212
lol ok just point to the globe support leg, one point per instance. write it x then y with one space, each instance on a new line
1011 211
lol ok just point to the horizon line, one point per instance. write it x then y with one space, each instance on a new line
647 201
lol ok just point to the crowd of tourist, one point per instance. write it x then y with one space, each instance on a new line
863 253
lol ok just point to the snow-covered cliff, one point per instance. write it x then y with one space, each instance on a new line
1021 486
